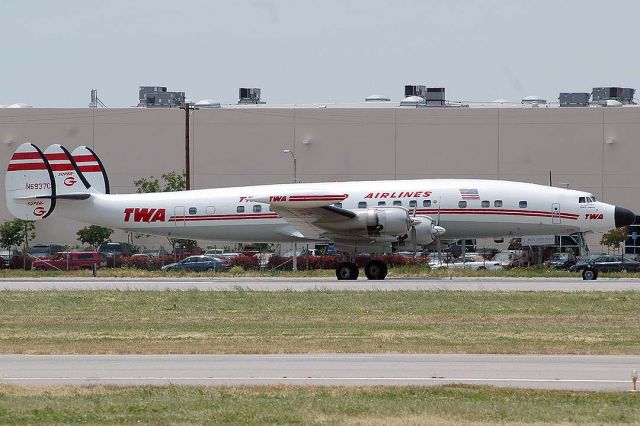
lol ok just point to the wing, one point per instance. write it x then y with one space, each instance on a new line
312 214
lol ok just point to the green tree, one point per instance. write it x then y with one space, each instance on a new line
614 238
171 182
15 232
94 235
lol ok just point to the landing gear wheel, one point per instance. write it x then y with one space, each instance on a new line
590 274
375 270
347 271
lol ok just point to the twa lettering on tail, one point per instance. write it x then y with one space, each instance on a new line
144 215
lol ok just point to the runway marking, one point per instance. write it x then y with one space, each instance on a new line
434 379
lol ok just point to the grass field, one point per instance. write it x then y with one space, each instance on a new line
450 405
139 322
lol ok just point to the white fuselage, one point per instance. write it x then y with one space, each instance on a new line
465 208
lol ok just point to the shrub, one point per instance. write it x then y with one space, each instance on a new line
245 262
236 270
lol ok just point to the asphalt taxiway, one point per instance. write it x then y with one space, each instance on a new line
305 284
576 372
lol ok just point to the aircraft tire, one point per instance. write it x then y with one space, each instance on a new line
590 274
376 270
347 271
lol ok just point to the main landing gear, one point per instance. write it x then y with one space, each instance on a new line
374 270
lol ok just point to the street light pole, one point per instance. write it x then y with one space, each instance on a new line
295 180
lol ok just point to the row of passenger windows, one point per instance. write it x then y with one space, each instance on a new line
257 208
427 203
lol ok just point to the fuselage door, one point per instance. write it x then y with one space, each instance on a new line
555 214
178 214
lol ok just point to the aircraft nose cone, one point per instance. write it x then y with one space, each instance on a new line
623 217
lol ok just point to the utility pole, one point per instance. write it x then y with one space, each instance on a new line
187 163
295 180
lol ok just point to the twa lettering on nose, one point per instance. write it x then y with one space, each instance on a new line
144 215
594 216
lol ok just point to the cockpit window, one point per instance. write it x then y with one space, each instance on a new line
582 200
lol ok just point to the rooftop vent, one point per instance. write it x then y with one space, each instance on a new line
249 96
435 96
412 101
207 103
377 98
533 101
574 99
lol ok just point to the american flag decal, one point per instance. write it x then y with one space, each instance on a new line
469 194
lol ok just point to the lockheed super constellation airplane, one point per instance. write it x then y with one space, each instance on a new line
360 217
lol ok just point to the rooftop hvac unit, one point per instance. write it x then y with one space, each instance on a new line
623 95
533 101
249 96
435 96
418 90
574 99
377 98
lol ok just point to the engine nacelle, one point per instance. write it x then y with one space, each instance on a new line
375 222
388 221
425 234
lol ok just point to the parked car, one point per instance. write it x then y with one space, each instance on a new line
512 259
157 253
467 262
199 263
14 259
221 253
607 263
70 261
45 250
115 251
563 260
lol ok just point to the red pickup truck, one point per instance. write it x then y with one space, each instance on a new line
70 261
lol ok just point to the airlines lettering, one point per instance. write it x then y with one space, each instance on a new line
594 216
401 194
144 215
276 198
65 173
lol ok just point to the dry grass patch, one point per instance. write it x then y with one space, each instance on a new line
139 322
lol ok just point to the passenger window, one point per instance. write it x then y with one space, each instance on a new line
211 210
382 203
582 200
362 205
486 203
193 210
397 203
522 204
413 203
240 209
497 203
339 205
257 208
426 203
462 204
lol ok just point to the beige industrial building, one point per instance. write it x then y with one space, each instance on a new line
596 149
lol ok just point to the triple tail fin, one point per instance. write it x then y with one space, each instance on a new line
91 167
35 180
29 184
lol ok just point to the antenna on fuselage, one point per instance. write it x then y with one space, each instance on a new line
550 180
